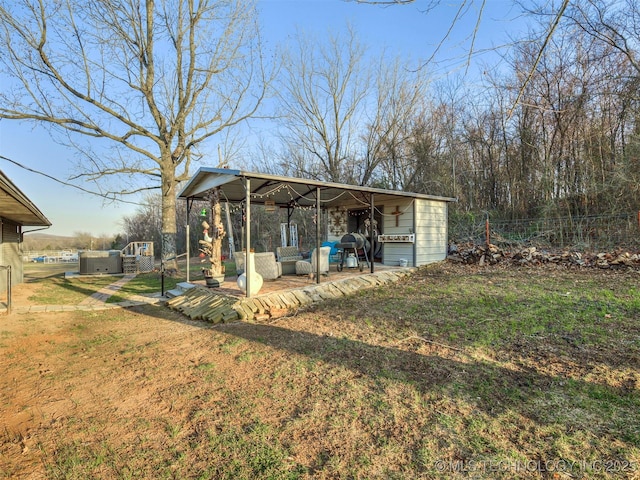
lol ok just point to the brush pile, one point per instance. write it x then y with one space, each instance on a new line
481 255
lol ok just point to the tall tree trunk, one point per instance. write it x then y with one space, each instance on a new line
169 217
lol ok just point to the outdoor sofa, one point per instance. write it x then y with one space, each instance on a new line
288 256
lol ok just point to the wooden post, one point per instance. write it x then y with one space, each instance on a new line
216 233
318 239
486 227
371 230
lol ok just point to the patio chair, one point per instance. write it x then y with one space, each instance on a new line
334 255
306 267
267 266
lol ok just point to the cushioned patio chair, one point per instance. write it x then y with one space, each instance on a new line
305 267
334 255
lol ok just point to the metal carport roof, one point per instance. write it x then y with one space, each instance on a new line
285 191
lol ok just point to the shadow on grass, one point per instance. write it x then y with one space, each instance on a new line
61 290
487 386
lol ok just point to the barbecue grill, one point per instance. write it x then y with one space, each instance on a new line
353 248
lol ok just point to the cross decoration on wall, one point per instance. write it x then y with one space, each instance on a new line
397 214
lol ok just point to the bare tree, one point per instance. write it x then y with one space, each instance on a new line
399 94
613 22
577 110
135 87
324 89
146 223
340 112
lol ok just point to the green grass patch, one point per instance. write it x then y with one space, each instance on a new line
68 291
144 284
52 288
251 451
486 310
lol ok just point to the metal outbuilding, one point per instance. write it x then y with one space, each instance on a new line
16 212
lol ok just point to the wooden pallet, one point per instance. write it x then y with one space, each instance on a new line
201 303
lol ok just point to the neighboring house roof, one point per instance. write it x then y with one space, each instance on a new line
286 190
15 206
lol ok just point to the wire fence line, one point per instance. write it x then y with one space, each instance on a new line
592 232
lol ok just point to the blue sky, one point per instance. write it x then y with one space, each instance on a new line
406 31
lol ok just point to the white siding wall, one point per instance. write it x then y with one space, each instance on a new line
428 220
431 231
394 252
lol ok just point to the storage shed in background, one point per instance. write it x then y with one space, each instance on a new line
415 231
16 212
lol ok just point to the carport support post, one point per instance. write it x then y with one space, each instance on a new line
247 251
289 213
317 234
188 235
371 230
188 252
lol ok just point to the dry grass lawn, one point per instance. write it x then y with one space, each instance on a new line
459 372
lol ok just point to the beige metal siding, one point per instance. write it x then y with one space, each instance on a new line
431 231
10 254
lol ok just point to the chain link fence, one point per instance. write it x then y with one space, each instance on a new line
594 232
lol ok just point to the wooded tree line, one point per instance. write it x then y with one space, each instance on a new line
553 131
